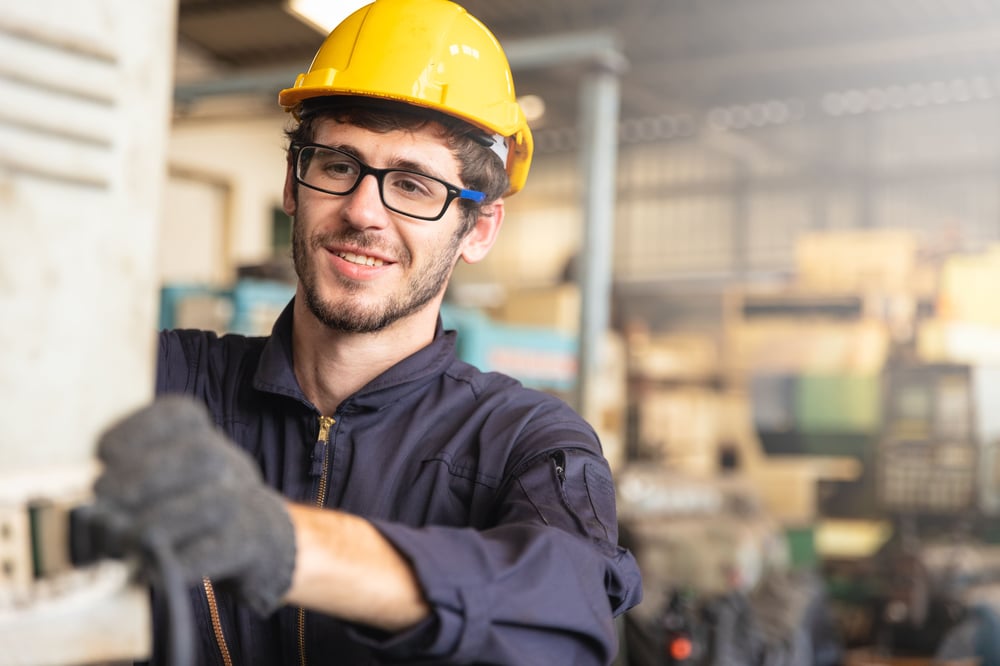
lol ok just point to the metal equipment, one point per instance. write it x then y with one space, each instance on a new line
84 101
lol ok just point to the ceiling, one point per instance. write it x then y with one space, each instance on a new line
685 58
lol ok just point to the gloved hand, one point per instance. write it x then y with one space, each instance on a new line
168 472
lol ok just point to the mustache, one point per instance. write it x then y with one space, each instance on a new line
361 240
350 236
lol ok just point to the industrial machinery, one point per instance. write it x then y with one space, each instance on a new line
902 380
83 124
718 583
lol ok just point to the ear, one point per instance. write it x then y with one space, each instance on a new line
289 201
477 243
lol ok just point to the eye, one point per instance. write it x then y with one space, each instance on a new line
412 186
339 167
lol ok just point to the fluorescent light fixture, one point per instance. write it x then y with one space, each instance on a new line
325 15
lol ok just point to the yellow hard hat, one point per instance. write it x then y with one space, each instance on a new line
430 53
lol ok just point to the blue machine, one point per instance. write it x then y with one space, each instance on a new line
541 358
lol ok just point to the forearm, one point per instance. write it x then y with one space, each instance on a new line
345 568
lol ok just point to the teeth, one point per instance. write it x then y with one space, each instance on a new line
360 259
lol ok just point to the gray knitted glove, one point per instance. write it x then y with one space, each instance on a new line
168 471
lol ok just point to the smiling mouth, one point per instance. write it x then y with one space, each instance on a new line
360 259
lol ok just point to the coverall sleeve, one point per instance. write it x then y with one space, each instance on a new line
542 586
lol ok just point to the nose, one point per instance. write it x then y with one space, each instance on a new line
364 208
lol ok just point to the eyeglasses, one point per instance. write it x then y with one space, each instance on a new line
408 192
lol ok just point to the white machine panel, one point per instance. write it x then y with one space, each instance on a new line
84 116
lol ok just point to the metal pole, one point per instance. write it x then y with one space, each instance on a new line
599 103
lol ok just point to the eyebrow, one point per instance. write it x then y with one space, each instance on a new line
398 163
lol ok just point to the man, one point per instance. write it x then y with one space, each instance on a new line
425 512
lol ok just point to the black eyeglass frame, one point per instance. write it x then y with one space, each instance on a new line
454 192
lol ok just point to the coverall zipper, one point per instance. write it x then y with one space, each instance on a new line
322 444
213 611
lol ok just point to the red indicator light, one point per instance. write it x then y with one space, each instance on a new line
681 648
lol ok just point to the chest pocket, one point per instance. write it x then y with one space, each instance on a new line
448 492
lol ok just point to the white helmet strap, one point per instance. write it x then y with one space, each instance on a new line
500 147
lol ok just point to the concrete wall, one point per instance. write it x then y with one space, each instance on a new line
226 178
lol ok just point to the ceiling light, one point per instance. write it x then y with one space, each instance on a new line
325 15
533 107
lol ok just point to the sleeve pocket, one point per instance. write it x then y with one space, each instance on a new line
601 492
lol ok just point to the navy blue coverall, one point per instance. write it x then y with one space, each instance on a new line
497 495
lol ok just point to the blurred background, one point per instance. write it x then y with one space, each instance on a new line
758 249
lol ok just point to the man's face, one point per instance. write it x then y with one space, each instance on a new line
362 267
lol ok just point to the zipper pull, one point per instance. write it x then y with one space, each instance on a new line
319 447
559 466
